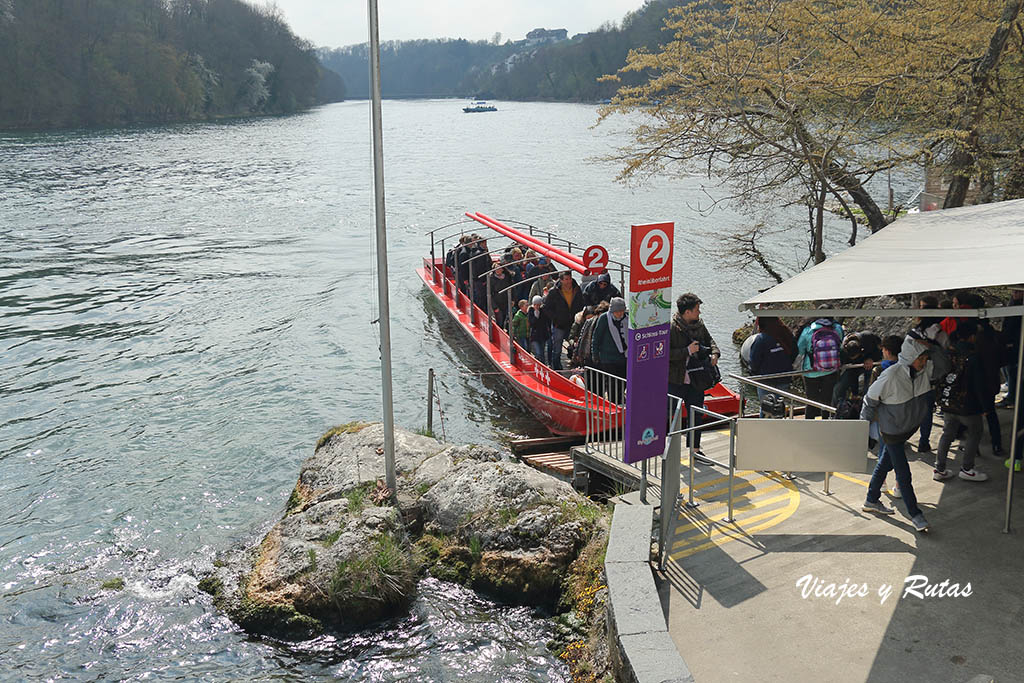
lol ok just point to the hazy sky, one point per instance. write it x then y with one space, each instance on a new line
334 23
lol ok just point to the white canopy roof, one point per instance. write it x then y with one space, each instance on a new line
968 247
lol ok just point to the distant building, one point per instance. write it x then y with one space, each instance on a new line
936 184
539 36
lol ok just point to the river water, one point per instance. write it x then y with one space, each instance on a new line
186 309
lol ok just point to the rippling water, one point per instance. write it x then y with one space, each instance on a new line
184 310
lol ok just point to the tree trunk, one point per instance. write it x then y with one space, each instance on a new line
961 165
819 227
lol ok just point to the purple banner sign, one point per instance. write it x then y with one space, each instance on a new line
650 316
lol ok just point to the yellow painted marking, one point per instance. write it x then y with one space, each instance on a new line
714 531
849 478
726 534
708 521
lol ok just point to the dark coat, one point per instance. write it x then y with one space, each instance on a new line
602 345
540 326
558 310
680 336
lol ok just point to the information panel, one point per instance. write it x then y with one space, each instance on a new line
650 315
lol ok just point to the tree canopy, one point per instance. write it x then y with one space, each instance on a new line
93 62
812 98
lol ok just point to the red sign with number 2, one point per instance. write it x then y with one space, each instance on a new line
650 257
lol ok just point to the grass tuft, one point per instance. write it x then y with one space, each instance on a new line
347 428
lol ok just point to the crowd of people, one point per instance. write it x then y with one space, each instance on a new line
955 364
553 316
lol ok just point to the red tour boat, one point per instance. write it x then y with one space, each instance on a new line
561 403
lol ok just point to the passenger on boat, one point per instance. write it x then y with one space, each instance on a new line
540 330
560 305
521 324
582 357
463 252
600 290
608 345
574 332
543 266
499 299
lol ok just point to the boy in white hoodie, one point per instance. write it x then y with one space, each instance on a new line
898 402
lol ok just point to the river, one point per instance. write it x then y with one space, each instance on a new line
185 309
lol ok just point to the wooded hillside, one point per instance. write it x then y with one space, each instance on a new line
516 70
105 62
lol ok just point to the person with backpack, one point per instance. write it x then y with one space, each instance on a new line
582 356
819 346
858 347
772 352
896 400
961 395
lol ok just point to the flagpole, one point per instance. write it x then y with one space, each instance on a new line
382 252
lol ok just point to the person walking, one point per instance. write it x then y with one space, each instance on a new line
962 395
896 400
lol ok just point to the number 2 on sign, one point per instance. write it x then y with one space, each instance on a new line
654 250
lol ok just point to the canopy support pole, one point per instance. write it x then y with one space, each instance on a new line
1013 434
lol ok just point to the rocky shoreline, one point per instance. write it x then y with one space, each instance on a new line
344 555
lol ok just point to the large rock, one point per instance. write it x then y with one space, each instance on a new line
522 529
341 556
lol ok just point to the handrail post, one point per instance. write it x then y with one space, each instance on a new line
732 465
471 289
490 310
643 481
430 401
669 487
433 266
691 415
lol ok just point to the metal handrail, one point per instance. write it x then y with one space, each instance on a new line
784 394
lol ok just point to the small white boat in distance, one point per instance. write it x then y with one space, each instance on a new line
479 106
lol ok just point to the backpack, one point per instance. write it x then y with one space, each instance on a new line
825 343
952 389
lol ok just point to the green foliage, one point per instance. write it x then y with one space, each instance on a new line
109 62
383 575
347 428
312 559
476 549
423 431
114 584
357 497
212 585
332 537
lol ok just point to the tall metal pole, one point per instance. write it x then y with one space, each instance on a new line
382 253
1013 436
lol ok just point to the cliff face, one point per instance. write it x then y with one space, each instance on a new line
343 555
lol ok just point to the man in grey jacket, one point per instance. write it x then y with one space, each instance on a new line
898 402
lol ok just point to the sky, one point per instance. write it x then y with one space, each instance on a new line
335 23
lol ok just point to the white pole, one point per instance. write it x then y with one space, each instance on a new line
382 252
